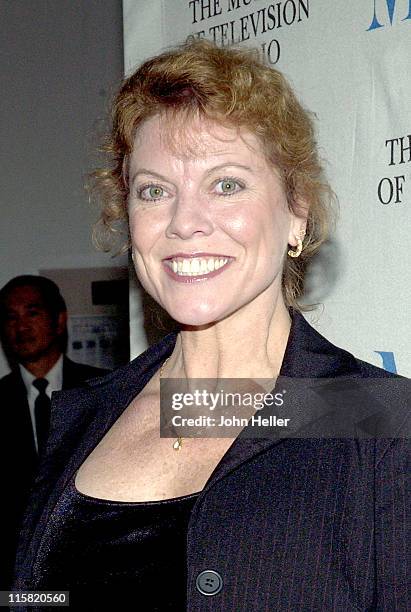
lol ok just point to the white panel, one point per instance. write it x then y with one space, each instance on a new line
350 64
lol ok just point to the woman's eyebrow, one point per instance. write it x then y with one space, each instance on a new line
148 172
208 172
228 165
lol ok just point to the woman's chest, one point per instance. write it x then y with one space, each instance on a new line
133 463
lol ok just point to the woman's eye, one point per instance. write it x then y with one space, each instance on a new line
151 192
228 186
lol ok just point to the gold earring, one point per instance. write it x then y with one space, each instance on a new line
299 248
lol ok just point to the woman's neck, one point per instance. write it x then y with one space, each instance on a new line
250 343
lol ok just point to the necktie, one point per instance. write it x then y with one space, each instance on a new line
42 413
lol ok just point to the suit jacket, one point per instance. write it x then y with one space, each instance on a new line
19 459
287 524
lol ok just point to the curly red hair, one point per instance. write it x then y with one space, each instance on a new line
232 86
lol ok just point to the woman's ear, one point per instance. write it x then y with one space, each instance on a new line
298 225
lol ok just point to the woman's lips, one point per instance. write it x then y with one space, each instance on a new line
197 267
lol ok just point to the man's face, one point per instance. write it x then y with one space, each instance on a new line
30 332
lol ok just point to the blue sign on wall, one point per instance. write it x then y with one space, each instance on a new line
392 12
388 361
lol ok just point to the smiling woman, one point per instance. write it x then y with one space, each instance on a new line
218 212
214 167
230 93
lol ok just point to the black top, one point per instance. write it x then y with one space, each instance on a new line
289 524
112 553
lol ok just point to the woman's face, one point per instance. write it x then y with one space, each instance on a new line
209 220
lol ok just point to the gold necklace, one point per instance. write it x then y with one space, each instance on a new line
177 445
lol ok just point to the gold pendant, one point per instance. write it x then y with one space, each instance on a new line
178 444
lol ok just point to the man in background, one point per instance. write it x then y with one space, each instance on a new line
33 331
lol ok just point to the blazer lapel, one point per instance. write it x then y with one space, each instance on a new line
308 356
105 400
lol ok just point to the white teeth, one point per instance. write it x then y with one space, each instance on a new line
197 266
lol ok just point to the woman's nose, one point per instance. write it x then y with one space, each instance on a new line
190 217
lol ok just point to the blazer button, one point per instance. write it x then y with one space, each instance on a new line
209 582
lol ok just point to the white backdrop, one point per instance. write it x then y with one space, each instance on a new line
350 63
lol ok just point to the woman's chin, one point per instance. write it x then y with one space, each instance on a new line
195 316
194 321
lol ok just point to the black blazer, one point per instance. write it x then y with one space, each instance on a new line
289 524
18 455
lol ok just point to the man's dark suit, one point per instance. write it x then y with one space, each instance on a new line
293 525
18 454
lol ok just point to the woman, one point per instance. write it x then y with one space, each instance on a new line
214 165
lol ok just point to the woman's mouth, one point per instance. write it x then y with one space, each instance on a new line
188 269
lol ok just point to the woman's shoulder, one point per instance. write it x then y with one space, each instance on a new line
368 370
310 354
131 373
74 408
